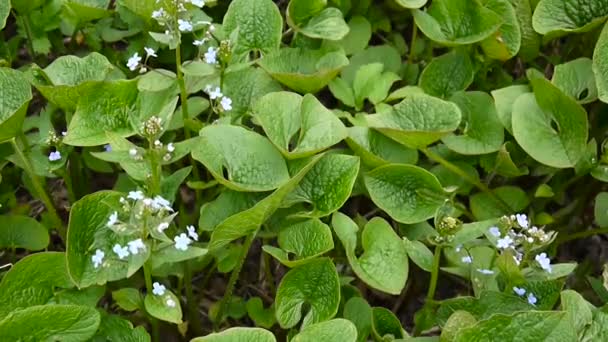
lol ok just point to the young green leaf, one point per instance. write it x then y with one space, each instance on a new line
165 307
335 330
504 98
559 17
261 316
576 79
373 84
420 254
327 24
447 74
22 232
128 299
505 43
16 95
383 264
385 324
238 335
375 149
258 24
359 34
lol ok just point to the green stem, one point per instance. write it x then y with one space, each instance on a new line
410 58
268 273
156 168
40 190
193 316
30 37
455 169
67 179
582 235
434 275
234 277
149 288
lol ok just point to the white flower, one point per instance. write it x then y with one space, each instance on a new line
216 93
485 271
170 302
112 219
531 299
64 133
467 259
199 42
170 147
147 202
158 202
458 248
54 156
133 152
108 148
133 62
198 3
494 231
184 25
159 13
122 252
211 55
211 28
543 261
520 292
182 241
150 52
226 103
158 289
135 195
192 233
162 227
98 258
135 246
522 220
157 143
504 243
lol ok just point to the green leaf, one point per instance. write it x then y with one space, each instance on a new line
303 70
601 209
259 24
576 79
245 87
488 304
483 132
458 320
314 284
375 149
298 126
85 297
385 324
299 11
241 159
158 307
228 203
420 254
372 84
577 309
16 95
448 178
238 335
261 316
87 232
542 325
417 121
69 323
359 34
407 193
328 184
305 240
596 331
128 299
457 22
384 54
328 24
23 232
116 328
484 207
447 74
5 10
31 281
79 12
383 264
530 40
600 64
559 17
505 42
170 254
504 98
335 330
550 126
358 311
411 3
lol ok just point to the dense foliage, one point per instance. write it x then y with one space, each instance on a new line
303 170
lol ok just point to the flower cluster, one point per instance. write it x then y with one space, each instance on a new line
522 293
215 94
160 290
134 61
54 141
175 17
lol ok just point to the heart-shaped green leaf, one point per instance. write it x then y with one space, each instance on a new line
375 149
258 24
457 22
241 159
359 34
327 24
447 74
165 307
358 311
303 70
315 284
383 264
484 207
245 87
23 232
420 254
559 17
372 83
385 324
417 121
116 328
576 79
600 64
298 126
261 316
299 11
335 330
409 194
504 99
504 43
577 308
238 335
384 54
16 95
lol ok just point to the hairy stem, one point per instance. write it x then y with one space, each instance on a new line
410 58
434 275
193 315
149 288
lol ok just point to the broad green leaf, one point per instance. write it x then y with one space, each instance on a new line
128 299
471 231
375 149
228 203
250 220
576 79
458 320
504 43
245 87
596 331
69 77
550 126
359 34
448 178
488 303
457 22
15 95
31 281
23 232
385 325
328 24
261 316
530 40
484 207
601 209
383 264
342 91
116 328
483 132
5 9
238 335
600 64
407 193
373 84
417 121
258 24
384 54
298 126
577 309
504 98
524 326
420 254
305 240
170 254
299 11
79 12
314 285
335 330
241 159
559 17
358 311
69 323
328 184
87 232
85 297
411 3
447 74
303 70
165 307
